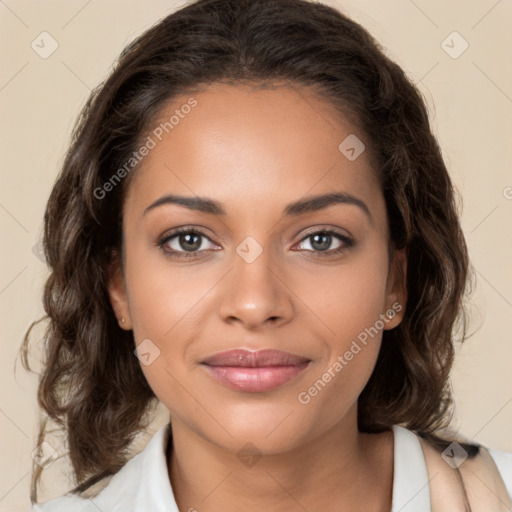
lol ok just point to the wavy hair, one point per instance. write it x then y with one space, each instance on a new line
91 385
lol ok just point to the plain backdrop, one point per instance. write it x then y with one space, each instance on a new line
469 93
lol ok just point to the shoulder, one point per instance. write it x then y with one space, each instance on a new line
66 503
484 479
117 495
503 461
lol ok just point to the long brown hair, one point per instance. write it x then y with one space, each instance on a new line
91 384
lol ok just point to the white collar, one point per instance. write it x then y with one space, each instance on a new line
411 489
411 492
143 483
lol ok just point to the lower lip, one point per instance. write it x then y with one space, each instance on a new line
255 380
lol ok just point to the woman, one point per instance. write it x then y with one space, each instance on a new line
254 226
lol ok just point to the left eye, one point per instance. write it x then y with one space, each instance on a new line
320 241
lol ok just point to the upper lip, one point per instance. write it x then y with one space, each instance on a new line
254 359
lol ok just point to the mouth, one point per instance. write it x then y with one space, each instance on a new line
254 371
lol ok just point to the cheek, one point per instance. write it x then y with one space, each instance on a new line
348 304
162 306
348 299
161 297
161 303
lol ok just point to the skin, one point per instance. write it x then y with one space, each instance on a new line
255 150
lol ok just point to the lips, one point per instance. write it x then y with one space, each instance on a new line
254 371
254 359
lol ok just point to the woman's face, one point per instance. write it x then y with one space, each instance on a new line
286 249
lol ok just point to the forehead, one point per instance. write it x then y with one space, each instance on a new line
246 146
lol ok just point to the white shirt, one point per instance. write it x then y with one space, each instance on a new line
143 485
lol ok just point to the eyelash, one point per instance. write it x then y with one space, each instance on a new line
347 241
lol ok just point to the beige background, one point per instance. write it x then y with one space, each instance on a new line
472 94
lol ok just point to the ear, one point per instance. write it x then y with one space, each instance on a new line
117 292
396 295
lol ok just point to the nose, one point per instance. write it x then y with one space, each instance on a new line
255 294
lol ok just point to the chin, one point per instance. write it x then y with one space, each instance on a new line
272 428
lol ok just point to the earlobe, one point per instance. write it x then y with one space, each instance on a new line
117 293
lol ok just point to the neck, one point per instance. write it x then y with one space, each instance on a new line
338 468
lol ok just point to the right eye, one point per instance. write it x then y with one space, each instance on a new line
191 240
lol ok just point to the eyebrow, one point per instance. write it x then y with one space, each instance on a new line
301 207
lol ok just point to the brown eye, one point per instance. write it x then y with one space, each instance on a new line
184 243
322 242
189 241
